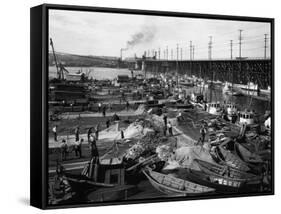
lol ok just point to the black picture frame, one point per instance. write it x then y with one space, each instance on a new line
39 101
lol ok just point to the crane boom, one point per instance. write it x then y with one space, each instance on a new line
55 57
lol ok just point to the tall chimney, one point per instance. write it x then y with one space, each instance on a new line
121 50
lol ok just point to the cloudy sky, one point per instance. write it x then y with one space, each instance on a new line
94 33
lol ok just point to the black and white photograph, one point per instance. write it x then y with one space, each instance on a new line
157 107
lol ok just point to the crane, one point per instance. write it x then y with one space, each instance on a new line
60 68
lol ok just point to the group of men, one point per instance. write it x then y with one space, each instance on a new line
92 139
167 126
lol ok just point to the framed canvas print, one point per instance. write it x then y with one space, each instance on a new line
133 106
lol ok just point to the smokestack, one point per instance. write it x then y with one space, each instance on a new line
121 50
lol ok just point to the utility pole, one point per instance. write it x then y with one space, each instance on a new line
167 52
240 43
193 49
181 53
231 45
190 49
265 45
177 52
210 47
159 52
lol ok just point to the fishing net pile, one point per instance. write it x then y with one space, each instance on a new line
138 129
146 146
183 157
140 110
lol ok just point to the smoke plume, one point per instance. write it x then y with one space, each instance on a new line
146 35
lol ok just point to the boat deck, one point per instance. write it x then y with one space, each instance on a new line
193 118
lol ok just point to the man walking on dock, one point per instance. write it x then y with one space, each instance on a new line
104 110
90 131
93 146
127 105
78 148
203 133
170 128
107 123
165 120
55 133
77 132
97 131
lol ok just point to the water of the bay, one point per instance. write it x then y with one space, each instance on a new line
242 102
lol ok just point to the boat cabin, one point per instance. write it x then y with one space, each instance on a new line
246 117
214 108
231 108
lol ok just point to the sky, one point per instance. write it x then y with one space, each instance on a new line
104 34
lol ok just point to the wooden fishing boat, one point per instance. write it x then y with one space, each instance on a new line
246 155
220 183
226 172
171 185
226 157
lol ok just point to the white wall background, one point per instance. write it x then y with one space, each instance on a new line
14 107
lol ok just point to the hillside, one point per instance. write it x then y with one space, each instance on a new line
71 60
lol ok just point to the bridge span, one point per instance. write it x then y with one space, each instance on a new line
239 71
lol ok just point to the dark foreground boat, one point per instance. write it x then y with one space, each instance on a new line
226 157
246 155
226 172
175 186
220 183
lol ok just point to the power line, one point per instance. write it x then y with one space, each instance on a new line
265 45
190 49
240 43
193 50
231 45
210 48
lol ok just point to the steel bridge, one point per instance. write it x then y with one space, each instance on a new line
239 71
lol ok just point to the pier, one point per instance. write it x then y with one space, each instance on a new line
241 71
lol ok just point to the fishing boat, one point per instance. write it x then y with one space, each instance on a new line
246 117
197 100
231 111
186 83
227 89
220 183
226 172
214 108
246 155
226 157
250 89
171 185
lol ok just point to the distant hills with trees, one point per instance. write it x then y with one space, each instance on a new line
72 60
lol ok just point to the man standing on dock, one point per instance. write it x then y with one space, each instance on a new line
97 131
170 128
78 148
165 120
90 131
55 132
77 132
104 111
107 123
203 133
127 105
93 146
